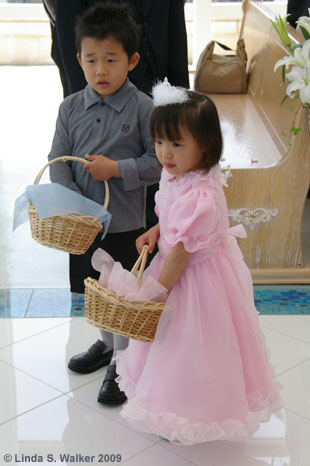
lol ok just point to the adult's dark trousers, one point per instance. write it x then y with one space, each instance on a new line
121 246
295 9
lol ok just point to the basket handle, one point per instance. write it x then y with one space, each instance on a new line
64 158
141 261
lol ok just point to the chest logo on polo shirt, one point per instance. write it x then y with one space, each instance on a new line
125 128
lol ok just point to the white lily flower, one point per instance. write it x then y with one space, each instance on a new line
299 81
286 61
304 95
297 59
303 23
302 54
301 57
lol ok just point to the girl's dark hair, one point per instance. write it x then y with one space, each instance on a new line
199 116
108 20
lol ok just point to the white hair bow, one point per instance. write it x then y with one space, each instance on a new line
165 94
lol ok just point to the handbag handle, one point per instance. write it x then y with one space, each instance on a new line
141 261
240 45
225 47
65 158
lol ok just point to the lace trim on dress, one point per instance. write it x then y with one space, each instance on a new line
190 180
179 430
182 431
193 178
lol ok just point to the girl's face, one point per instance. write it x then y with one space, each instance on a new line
180 156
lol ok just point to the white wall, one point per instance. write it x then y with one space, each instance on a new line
25 30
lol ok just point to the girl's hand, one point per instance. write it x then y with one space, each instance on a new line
101 168
150 238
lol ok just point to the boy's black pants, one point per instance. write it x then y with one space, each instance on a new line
121 246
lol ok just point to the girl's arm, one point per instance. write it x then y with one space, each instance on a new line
174 265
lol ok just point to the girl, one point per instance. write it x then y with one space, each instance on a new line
206 376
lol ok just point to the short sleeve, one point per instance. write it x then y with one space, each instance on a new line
193 220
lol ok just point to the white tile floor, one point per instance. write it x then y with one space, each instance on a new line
48 412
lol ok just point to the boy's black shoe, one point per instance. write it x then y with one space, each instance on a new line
91 360
110 393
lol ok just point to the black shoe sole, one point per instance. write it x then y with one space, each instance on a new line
90 369
111 401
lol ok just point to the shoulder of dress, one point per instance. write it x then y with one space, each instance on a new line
201 178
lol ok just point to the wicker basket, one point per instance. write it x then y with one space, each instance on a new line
72 232
132 319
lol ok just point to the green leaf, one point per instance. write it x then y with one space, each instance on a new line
282 134
284 99
279 25
295 131
305 33
283 74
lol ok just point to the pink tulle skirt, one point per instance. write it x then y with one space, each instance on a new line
207 374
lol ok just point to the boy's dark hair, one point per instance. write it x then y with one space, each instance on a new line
108 20
199 116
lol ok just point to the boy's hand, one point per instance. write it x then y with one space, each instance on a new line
150 238
101 168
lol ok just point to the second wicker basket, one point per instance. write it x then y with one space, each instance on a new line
73 232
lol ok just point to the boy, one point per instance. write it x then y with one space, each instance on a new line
109 117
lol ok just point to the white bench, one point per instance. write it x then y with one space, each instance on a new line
271 172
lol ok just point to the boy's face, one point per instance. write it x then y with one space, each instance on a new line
105 64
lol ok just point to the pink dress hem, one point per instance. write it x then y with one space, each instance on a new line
181 431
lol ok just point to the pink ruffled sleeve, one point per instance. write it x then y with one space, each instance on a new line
193 220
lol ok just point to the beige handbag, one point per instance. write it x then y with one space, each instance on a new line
222 74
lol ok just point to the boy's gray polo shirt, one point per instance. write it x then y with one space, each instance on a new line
117 127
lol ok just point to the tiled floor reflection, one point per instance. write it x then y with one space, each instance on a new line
59 302
55 303
49 411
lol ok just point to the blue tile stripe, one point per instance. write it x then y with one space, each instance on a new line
282 299
50 302
55 302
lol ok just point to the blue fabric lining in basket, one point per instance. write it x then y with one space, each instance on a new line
53 200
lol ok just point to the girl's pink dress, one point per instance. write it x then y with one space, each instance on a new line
206 376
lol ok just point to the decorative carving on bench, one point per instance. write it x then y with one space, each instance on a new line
252 218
